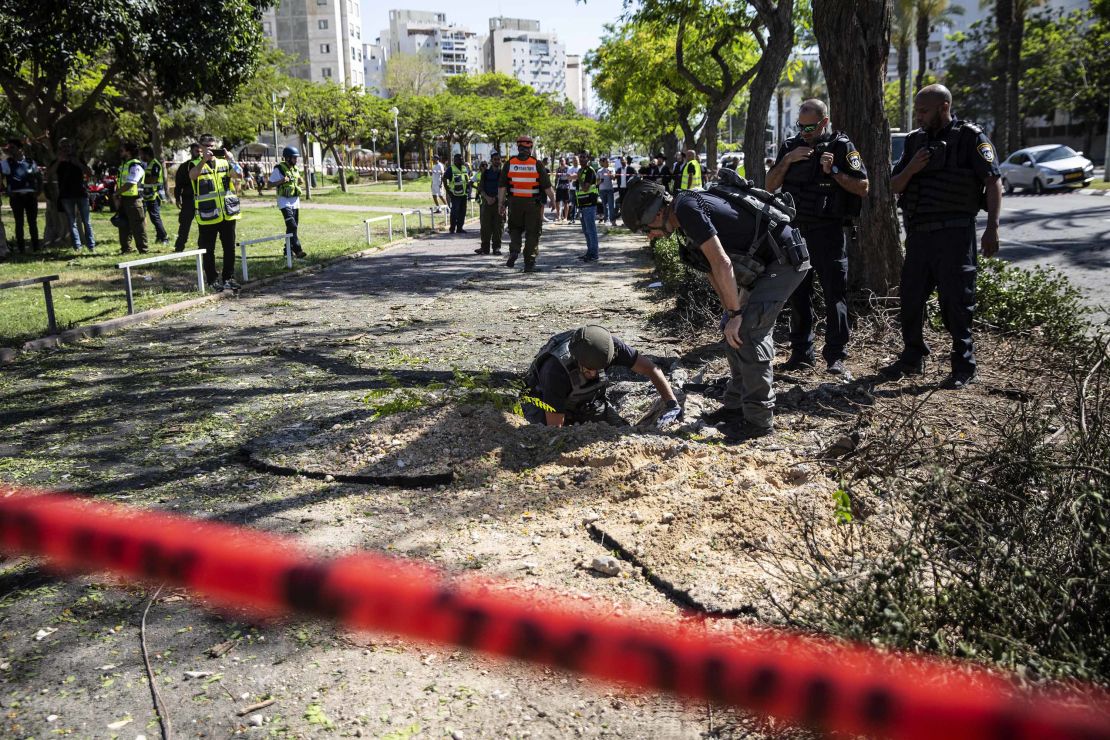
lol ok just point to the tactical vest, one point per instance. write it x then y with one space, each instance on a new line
291 188
524 177
691 176
945 187
21 175
153 191
128 189
457 179
582 391
771 215
214 194
818 196
586 195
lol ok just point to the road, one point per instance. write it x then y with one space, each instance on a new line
1068 231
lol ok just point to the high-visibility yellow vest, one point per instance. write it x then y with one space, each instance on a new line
153 191
291 188
691 176
127 189
214 193
586 195
457 178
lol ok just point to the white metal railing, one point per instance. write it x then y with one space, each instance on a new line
126 267
51 321
369 221
288 250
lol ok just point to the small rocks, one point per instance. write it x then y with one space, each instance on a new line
606 565
590 517
52 718
637 517
667 518
45 632
329 478
256 720
456 735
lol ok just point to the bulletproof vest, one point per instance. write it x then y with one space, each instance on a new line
582 391
817 195
946 186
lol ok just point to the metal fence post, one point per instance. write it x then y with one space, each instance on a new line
130 300
288 252
200 275
243 255
51 321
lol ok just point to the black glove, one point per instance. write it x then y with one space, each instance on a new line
671 415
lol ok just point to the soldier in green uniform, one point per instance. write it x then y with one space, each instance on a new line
524 182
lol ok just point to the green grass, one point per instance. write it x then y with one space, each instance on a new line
1099 185
91 287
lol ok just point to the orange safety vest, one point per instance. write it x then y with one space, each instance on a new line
524 177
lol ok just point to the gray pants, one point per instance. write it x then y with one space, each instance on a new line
750 387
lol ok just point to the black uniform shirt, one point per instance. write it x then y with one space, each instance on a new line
554 386
701 216
846 159
976 153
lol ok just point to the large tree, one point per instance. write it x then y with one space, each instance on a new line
853 38
413 74
331 114
902 37
928 16
1009 16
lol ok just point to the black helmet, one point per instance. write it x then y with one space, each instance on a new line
642 202
592 347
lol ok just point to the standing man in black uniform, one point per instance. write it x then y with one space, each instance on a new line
947 174
824 173
183 196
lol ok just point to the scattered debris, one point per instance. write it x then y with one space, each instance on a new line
606 565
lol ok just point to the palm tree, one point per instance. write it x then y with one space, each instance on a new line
1009 16
931 14
810 80
902 37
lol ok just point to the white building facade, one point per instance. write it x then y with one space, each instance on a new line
324 37
518 48
458 50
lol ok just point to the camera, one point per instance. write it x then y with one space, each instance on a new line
222 152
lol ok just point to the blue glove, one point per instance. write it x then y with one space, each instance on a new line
671 415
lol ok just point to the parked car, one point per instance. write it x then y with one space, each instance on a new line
1039 168
897 146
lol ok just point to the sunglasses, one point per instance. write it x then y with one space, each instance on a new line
807 128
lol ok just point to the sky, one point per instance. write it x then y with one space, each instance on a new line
579 25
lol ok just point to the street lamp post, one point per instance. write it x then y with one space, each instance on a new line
374 152
396 144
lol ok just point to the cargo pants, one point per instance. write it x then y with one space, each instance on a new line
525 220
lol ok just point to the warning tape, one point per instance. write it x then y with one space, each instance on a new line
822 684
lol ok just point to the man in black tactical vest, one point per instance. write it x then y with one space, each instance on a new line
568 376
823 172
947 174
740 236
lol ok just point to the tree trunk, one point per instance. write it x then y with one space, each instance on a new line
903 82
853 38
779 22
307 165
709 135
922 48
1015 125
1004 20
778 116
339 166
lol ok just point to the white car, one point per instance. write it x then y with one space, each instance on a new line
1039 168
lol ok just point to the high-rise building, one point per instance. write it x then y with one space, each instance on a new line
323 37
576 89
373 66
458 50
518 48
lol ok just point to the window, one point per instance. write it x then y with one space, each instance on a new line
353 57
322 25
325 72
325 48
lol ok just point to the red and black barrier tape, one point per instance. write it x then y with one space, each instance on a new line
822 684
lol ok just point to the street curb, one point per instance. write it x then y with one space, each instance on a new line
103 328
1093 191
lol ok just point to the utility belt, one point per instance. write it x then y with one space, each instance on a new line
951 223
790 250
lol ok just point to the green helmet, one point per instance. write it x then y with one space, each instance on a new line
642 202
592 347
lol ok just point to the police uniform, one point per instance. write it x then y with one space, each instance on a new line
769 260
526 182
154 185
457 182
555 378
288 178
132 217
183 195
586 197
939 206
217 212
824 209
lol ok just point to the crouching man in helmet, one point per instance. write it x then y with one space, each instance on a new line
568 376
288 178
740 237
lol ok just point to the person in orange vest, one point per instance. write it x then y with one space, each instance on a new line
525 184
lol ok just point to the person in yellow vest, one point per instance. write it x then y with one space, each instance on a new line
183 197
524 185
130 217
154 191
456 182
691 178
586 199
287 177
218 209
